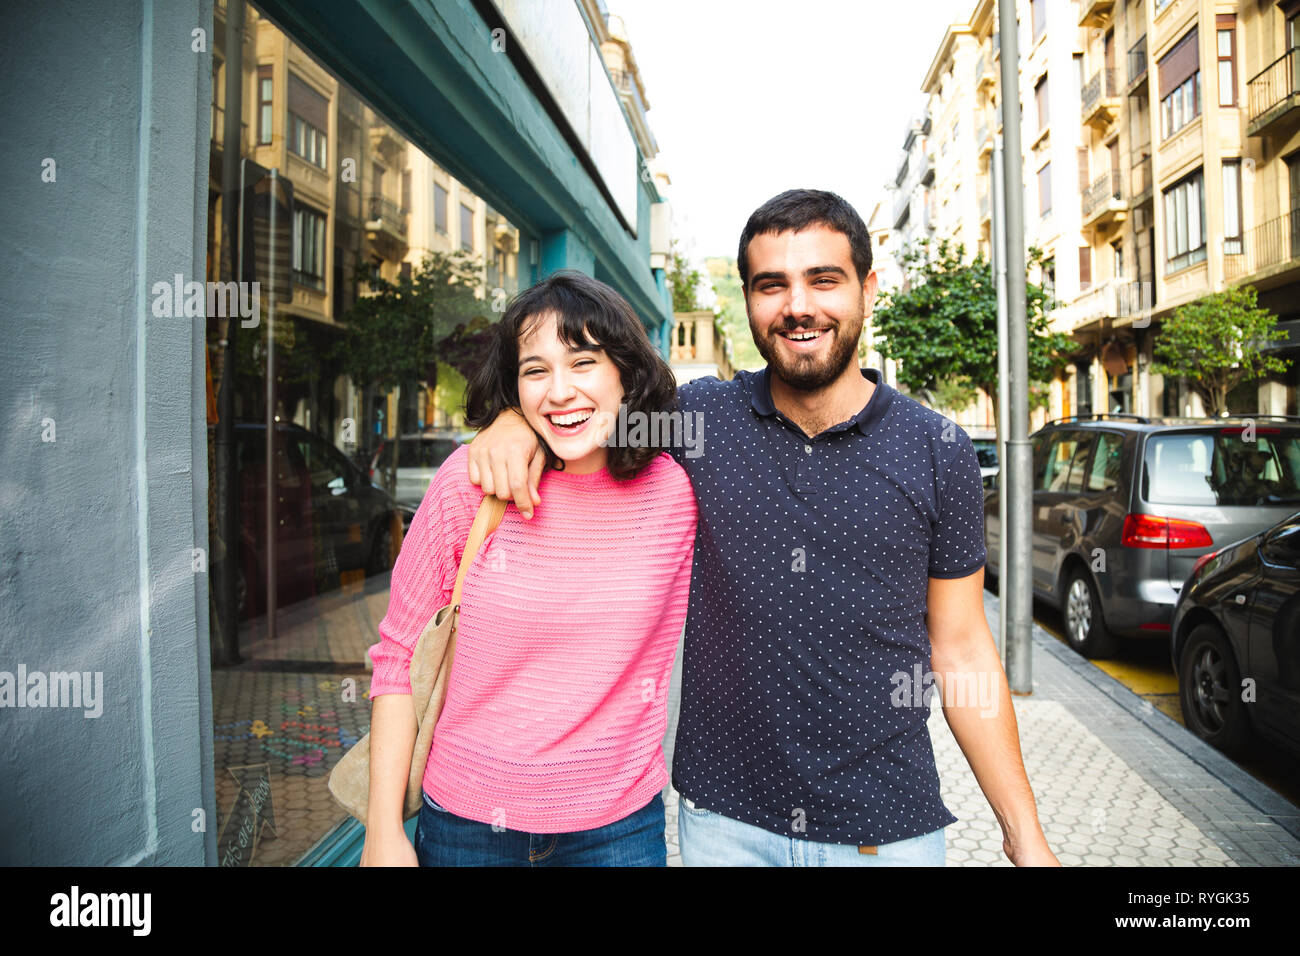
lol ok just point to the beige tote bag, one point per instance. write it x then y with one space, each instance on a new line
349 781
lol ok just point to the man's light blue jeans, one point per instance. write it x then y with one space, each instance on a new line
710 839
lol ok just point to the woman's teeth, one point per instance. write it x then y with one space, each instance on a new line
574 418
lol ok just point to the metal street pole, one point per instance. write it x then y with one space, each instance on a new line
1016 569
1004 386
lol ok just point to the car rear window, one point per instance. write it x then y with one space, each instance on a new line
987 452
1218 467
424 452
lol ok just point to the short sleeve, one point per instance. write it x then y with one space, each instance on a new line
424 574
689 403
957 545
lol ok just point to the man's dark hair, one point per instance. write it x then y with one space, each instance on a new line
797 209
584 306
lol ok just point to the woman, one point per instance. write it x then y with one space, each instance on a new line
548 750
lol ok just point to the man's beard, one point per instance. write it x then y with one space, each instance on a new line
806 372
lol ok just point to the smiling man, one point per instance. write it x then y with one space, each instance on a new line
839 556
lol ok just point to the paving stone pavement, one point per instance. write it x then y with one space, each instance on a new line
1117 783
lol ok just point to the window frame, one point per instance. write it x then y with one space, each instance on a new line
265 104
1186 255
302 245
1226 23
1233 241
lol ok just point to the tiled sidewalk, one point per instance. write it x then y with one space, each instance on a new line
1117 782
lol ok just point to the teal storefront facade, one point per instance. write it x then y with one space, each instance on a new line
106 487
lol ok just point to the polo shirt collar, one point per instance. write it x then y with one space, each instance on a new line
760 397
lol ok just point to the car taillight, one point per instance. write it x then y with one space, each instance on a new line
1151 531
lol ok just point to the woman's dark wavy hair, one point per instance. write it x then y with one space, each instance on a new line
585 307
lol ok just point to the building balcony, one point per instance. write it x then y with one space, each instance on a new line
1095 13
984 141
1273 96
986 208
925 169
1100 100
985 74
903 169
1117 298
218 136
1271 248
385 222
385 141
1103 203
1141 185
902 207
1137 67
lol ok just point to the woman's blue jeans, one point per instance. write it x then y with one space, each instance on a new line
444 839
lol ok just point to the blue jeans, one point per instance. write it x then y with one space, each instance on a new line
711 839
444 839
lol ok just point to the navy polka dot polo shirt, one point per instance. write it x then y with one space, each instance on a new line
807 604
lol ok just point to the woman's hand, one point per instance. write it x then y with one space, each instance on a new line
386 846
506 459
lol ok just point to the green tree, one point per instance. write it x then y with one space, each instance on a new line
398 333
1216 342
941 326
683 281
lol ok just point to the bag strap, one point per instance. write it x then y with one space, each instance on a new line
489 516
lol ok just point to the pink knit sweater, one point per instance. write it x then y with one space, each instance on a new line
557 701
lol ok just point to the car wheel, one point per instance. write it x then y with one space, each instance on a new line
1209 689
381 553
1081 610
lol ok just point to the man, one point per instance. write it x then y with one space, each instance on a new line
839 567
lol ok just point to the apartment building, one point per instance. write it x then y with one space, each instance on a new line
947 175
1190 131
1161 163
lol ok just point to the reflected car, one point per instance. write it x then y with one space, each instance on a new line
986 450
331 518
418 457
1236 642
1124 506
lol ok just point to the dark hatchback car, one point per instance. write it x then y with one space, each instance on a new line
332 519
1124 506
1236 641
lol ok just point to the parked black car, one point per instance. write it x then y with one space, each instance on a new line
331 518
1236 641
1123 507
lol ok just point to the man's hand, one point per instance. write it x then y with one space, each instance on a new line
964 659
506 459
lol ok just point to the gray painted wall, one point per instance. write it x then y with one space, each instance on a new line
97 527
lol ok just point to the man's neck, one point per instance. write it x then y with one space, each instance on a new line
814 412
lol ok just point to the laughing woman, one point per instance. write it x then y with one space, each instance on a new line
548 750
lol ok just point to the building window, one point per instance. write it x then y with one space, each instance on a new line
308 120
1117 262
466 228
308 247
1045 190
264 116
1085 268
1185 223
1040 100
1232 207
1039 10
439 209
1226 38
1180 85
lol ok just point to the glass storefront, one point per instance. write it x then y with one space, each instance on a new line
360 416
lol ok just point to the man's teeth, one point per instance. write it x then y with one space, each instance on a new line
571 419
801 336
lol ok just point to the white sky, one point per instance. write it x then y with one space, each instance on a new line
749 98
